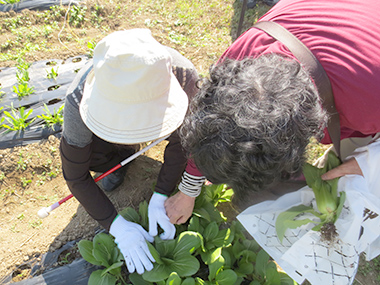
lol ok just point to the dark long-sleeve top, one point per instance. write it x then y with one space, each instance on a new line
82 151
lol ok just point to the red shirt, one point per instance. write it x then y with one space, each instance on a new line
344 35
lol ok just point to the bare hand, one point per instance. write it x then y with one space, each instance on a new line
179 207
350 166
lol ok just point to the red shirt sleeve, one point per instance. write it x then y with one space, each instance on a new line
192 169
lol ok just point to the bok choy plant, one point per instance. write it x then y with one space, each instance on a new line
208 250
328 201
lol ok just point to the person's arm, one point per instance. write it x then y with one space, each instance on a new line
174 164
348 167
175 157
180 206
364 161
75 167
76 149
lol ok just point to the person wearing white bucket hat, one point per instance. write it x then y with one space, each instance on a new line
134 91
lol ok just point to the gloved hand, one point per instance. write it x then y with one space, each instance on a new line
157 216
130 238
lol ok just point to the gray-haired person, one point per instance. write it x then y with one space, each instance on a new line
254 116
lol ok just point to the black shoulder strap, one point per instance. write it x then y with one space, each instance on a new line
311 63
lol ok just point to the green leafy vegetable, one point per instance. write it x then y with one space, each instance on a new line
208 251
328 202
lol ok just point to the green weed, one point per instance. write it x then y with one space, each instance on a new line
53 174
64 259
77 16
13 228
55 14
42 198
97 15
53 149
9 191
36 224
22 162
25 182
41 179
12 24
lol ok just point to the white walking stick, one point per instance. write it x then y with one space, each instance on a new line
45 211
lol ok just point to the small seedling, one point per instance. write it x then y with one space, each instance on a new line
52 174
13 229
22 64
96 15
53 149
52 119
65 259
25 181
22 76
52 74
23 163
41 179
22 73
1 91
36 224
91 46
9 1
17 120
23 89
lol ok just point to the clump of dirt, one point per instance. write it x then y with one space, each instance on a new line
329 233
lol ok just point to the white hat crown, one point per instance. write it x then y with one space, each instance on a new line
131 95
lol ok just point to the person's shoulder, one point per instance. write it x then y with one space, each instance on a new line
74 92
179 60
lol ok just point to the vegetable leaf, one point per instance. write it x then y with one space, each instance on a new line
287 220
99 277
85 248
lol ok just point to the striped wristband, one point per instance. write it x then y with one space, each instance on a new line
191 185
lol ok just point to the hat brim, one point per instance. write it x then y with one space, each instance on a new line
133 123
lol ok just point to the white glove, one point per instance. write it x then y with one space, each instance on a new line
130 238
157 216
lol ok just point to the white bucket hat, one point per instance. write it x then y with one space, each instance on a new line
131 95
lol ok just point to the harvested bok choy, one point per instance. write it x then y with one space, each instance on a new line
329 204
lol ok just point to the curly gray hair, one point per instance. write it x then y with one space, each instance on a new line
250 123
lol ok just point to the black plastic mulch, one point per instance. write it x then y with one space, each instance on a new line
76 273
51 92
35 5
